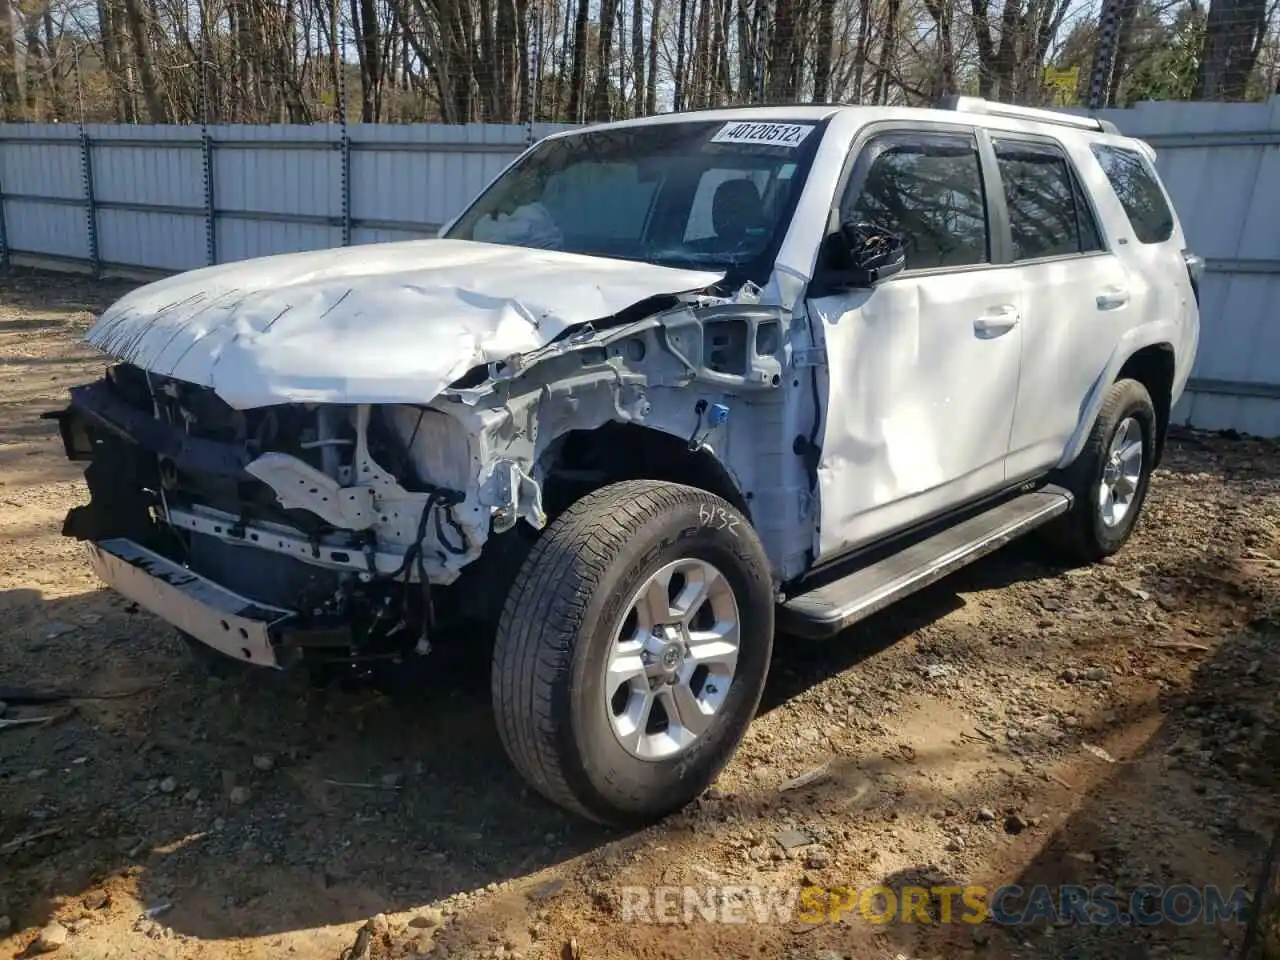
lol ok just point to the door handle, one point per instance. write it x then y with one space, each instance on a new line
999 320
1112 298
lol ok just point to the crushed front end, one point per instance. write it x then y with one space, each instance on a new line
282 533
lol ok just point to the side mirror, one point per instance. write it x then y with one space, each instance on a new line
871 254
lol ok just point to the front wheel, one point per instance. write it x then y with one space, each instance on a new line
1109 479
632 650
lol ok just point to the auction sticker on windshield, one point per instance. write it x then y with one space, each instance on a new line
764 134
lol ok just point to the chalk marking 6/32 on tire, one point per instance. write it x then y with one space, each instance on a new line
709 515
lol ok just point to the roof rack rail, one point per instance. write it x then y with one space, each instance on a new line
781 105
994 109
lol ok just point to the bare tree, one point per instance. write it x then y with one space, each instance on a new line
1233 38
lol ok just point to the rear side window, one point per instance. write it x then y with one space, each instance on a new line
1139 192
927 189
1048 215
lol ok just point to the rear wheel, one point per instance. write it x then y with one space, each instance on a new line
632 650
1109 479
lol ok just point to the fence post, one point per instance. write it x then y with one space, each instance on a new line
344 144
4 230
1104 56
345 181
90 208
210 214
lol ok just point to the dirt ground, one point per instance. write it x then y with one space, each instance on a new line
1016 724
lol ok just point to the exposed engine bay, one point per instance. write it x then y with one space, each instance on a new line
345 528
319 510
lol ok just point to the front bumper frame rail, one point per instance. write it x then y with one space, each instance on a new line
234 625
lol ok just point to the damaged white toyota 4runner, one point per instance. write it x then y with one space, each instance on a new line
662 380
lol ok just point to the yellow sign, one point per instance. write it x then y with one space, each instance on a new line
1063 84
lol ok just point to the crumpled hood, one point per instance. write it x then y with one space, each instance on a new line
383 323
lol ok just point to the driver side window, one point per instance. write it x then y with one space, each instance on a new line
926 189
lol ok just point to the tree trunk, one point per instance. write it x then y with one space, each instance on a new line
561 72
364 23
335 57
112 57
680 45
1006 59
943 78
701 43
1230 48
508 43
888 53
528 60
986 47
608 17
781 85
651 82
578 82
724 75
151 93
822 65
56 96
1124 50
637 54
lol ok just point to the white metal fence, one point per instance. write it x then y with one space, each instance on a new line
119 197
1221 163
170 198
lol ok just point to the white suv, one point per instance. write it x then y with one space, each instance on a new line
663 380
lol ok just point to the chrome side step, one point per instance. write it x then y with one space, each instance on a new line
828 609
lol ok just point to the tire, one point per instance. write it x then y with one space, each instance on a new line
559 629
1091 531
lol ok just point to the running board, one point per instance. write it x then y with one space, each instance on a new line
826 610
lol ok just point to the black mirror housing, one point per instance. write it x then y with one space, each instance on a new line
872 253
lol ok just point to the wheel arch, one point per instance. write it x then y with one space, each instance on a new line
1153 367
582 460
1145 354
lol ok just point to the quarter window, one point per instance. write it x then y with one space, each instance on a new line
1048 215
1139 192
928 190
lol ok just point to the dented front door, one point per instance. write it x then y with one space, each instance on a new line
922 369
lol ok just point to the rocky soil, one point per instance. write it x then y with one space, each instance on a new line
1019 723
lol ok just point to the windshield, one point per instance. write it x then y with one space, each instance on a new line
706 193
